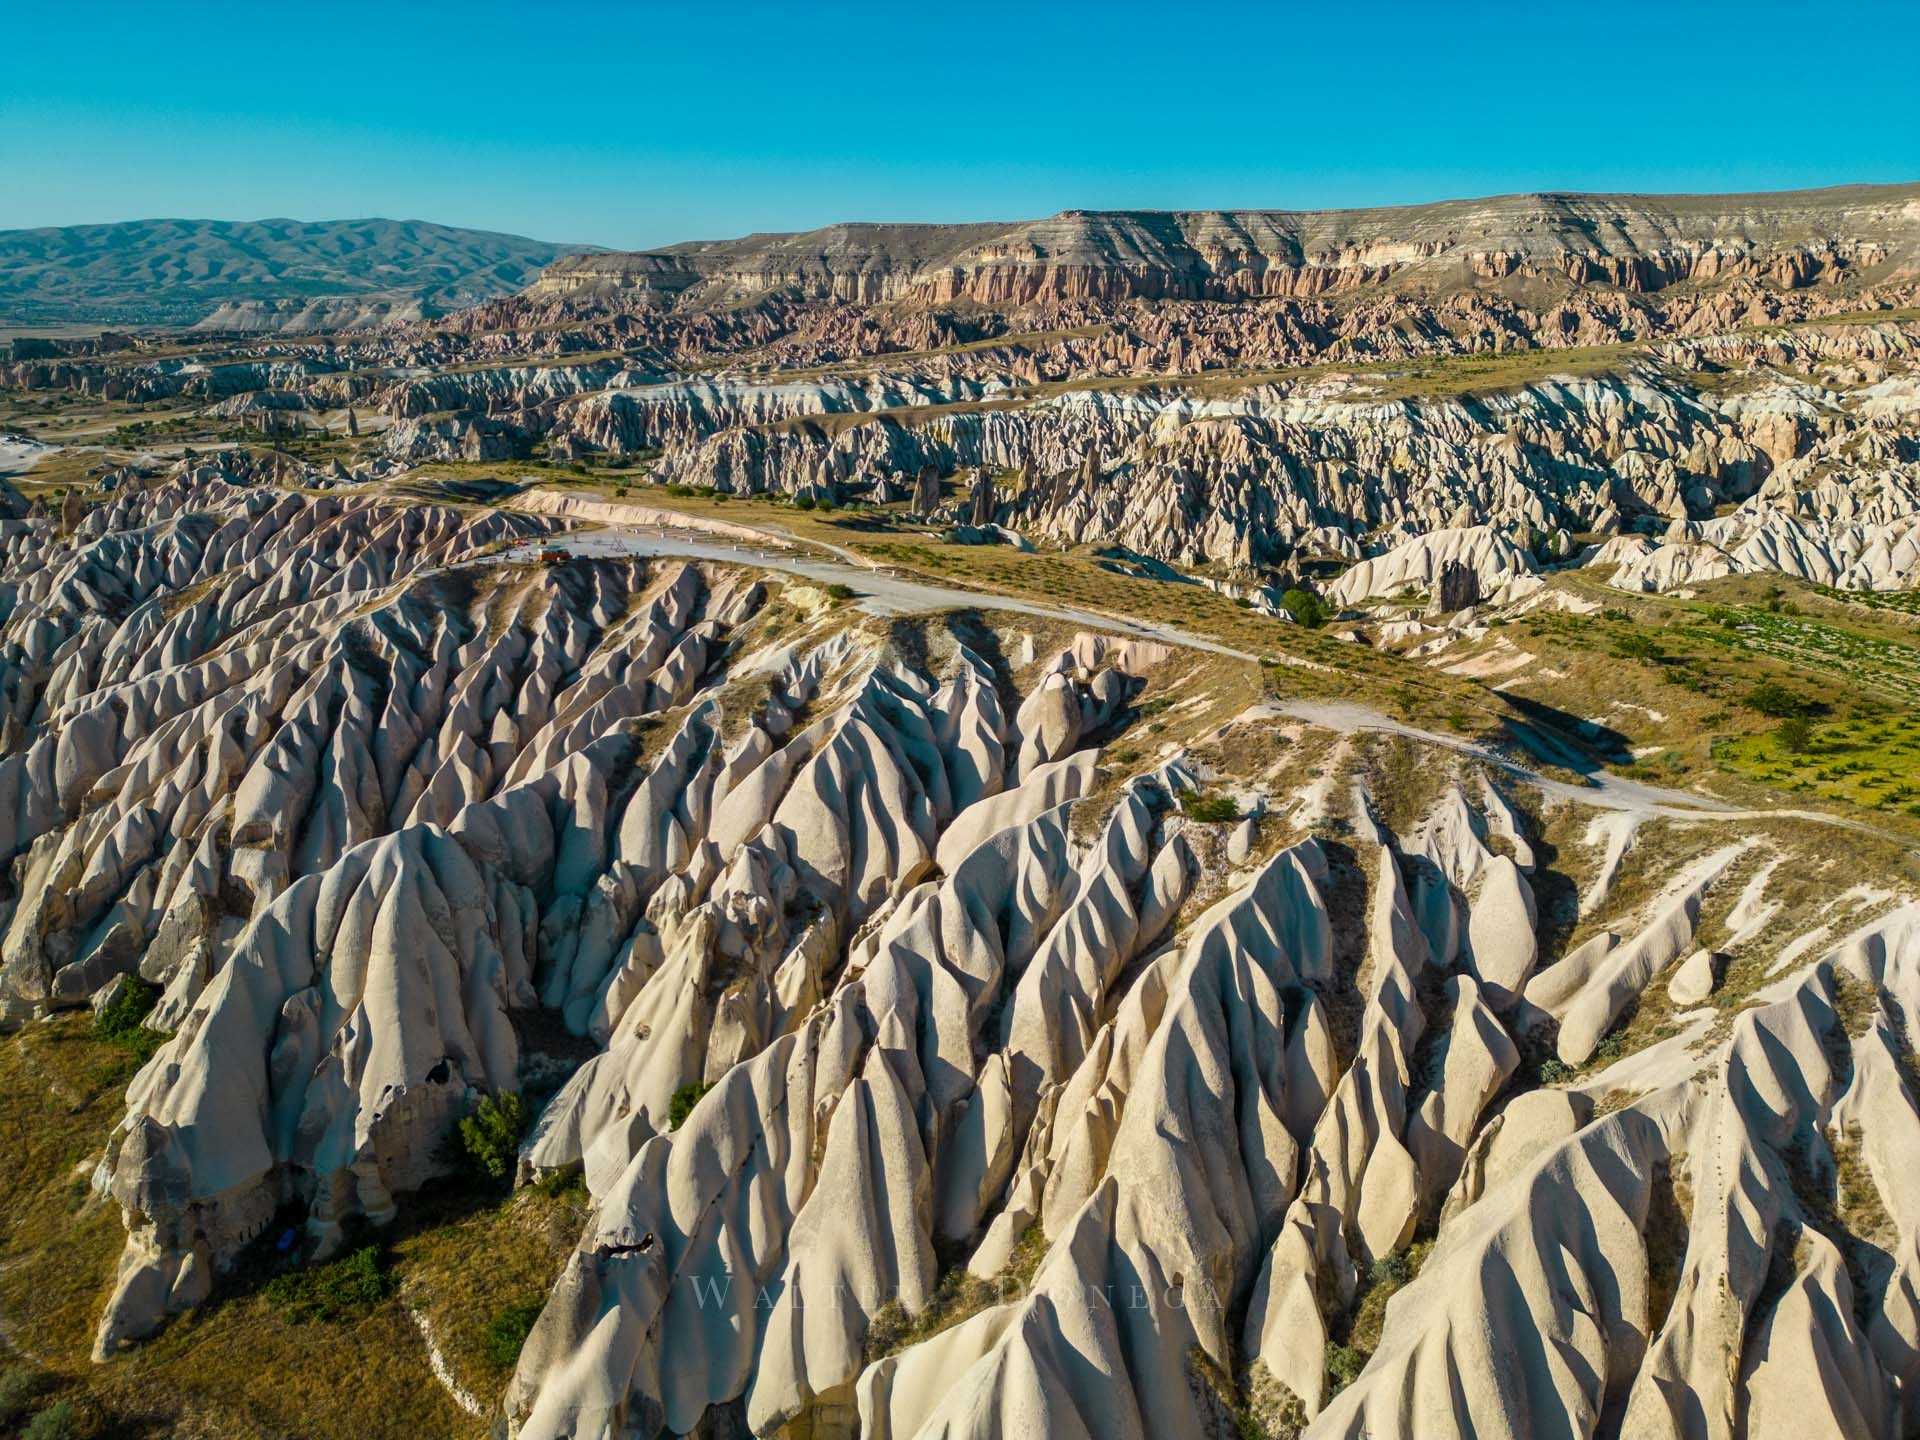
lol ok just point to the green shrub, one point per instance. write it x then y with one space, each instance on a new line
119 1020
1795 735
20 1386
1344 1364
489 1138
1554 1070
1637 645
555 1183
340 1290
838 591
1210 809
56 1422
684 1099
1395 1269
1306 607
1777 702
507 1332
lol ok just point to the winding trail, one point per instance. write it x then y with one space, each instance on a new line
882 591
885 592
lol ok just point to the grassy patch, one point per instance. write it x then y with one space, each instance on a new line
507 1333
479 1273
1210 808
960 1296
242 1367
344 1289
1873 764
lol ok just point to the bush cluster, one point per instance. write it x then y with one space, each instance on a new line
340 1290
1777 702
1213 809
684 1099
1306 607
489 1138
119 1021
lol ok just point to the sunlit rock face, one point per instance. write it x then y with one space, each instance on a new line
970 1022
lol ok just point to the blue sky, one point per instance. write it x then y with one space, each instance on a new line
634 125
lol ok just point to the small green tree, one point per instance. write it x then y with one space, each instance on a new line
489 1138
20 1387
1795 735
1777 702
339 1290
1344 1364
1306 607
119 1021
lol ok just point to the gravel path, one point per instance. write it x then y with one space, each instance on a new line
882 591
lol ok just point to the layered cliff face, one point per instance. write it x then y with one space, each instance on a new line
1638 243
1192 433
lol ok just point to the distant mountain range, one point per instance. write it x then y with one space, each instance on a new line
290 275
258 274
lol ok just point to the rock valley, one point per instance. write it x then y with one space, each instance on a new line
1134 826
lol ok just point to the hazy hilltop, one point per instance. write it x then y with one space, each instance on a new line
273 274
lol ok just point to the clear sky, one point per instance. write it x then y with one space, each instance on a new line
634 125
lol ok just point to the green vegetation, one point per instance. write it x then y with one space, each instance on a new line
684 1099
1453 377
1870 763
57 1422
1258 1408
960 1296
1344 1364
472 1272
1776 701
1306 607
21 1387
837 591
238 1366
119 1021
1638 645
507 1332
344 1289
1708 694
1210 808
489 1138
1353 1337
